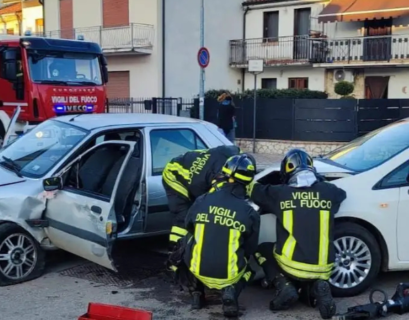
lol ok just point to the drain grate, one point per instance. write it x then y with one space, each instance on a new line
132 269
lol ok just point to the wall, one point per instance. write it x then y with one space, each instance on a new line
223 22
146 71
81 13
316 77
52 15
30 15
398 87
255 19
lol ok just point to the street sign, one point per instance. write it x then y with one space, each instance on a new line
256 65
203 57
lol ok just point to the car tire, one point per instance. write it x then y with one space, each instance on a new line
20 249
361 251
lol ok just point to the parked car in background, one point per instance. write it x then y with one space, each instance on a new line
102 174
371 231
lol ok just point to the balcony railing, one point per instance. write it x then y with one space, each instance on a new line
134 37
390 49
274 51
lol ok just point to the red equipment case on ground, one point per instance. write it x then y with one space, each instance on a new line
98 311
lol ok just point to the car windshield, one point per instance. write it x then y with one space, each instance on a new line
373 148
64 68
36 152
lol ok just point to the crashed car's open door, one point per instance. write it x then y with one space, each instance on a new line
83 222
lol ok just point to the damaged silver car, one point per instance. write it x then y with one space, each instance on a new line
81 182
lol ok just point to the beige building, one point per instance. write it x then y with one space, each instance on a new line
316 43
18 17
128 33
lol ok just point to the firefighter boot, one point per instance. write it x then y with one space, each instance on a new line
286 294
230 302
321 292
198 300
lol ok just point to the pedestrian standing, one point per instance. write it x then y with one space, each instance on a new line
226 116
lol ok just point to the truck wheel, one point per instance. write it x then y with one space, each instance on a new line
21 257
358 260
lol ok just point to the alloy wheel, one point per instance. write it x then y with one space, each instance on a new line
352 264
18 256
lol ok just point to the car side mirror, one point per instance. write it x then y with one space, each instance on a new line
53 184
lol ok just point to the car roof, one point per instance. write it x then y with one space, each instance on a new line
95 121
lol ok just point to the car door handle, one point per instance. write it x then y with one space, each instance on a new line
96 209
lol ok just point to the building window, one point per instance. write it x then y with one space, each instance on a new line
39 26
298 83
10 31
269 83
270 33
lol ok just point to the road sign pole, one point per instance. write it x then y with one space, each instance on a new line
202 70
255 67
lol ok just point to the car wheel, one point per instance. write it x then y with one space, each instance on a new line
358 260
21 257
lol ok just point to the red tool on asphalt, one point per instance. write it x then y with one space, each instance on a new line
98 311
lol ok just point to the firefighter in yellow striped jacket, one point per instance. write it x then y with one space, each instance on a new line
189 176
223 234
304 252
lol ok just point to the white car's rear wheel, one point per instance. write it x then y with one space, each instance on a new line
358 260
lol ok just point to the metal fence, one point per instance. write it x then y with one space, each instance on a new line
336 120
169 106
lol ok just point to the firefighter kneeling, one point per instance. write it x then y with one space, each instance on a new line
223 234
305 207
187 177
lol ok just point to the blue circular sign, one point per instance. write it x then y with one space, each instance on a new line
203 57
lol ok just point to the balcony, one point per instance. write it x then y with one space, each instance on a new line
135 38
391 50
281 51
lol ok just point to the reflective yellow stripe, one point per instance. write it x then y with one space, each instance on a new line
289 245
305 274
197 249
174 166
250 188
232 268
173 268
324 237
302 266
241 177
219 185
174 238
247 276
219 284
171 181
179 231
260 258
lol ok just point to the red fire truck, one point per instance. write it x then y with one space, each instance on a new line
49 77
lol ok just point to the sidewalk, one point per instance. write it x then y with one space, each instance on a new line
266 159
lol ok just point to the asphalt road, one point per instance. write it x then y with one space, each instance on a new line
70 283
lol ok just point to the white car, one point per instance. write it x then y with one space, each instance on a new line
371 227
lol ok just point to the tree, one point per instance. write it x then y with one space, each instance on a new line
344 89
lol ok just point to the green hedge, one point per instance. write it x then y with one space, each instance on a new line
272 94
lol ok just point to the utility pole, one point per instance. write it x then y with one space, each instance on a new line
202 70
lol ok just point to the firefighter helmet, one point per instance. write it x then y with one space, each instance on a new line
241 168
295 160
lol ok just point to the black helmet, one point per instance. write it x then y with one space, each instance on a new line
295 160
241 168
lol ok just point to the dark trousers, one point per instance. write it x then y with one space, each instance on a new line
179 206
187 280
266 260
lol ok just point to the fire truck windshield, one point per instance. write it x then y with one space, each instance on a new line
61 68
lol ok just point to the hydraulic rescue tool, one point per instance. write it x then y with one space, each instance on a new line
398 304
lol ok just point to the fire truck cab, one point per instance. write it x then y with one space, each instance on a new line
49 77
